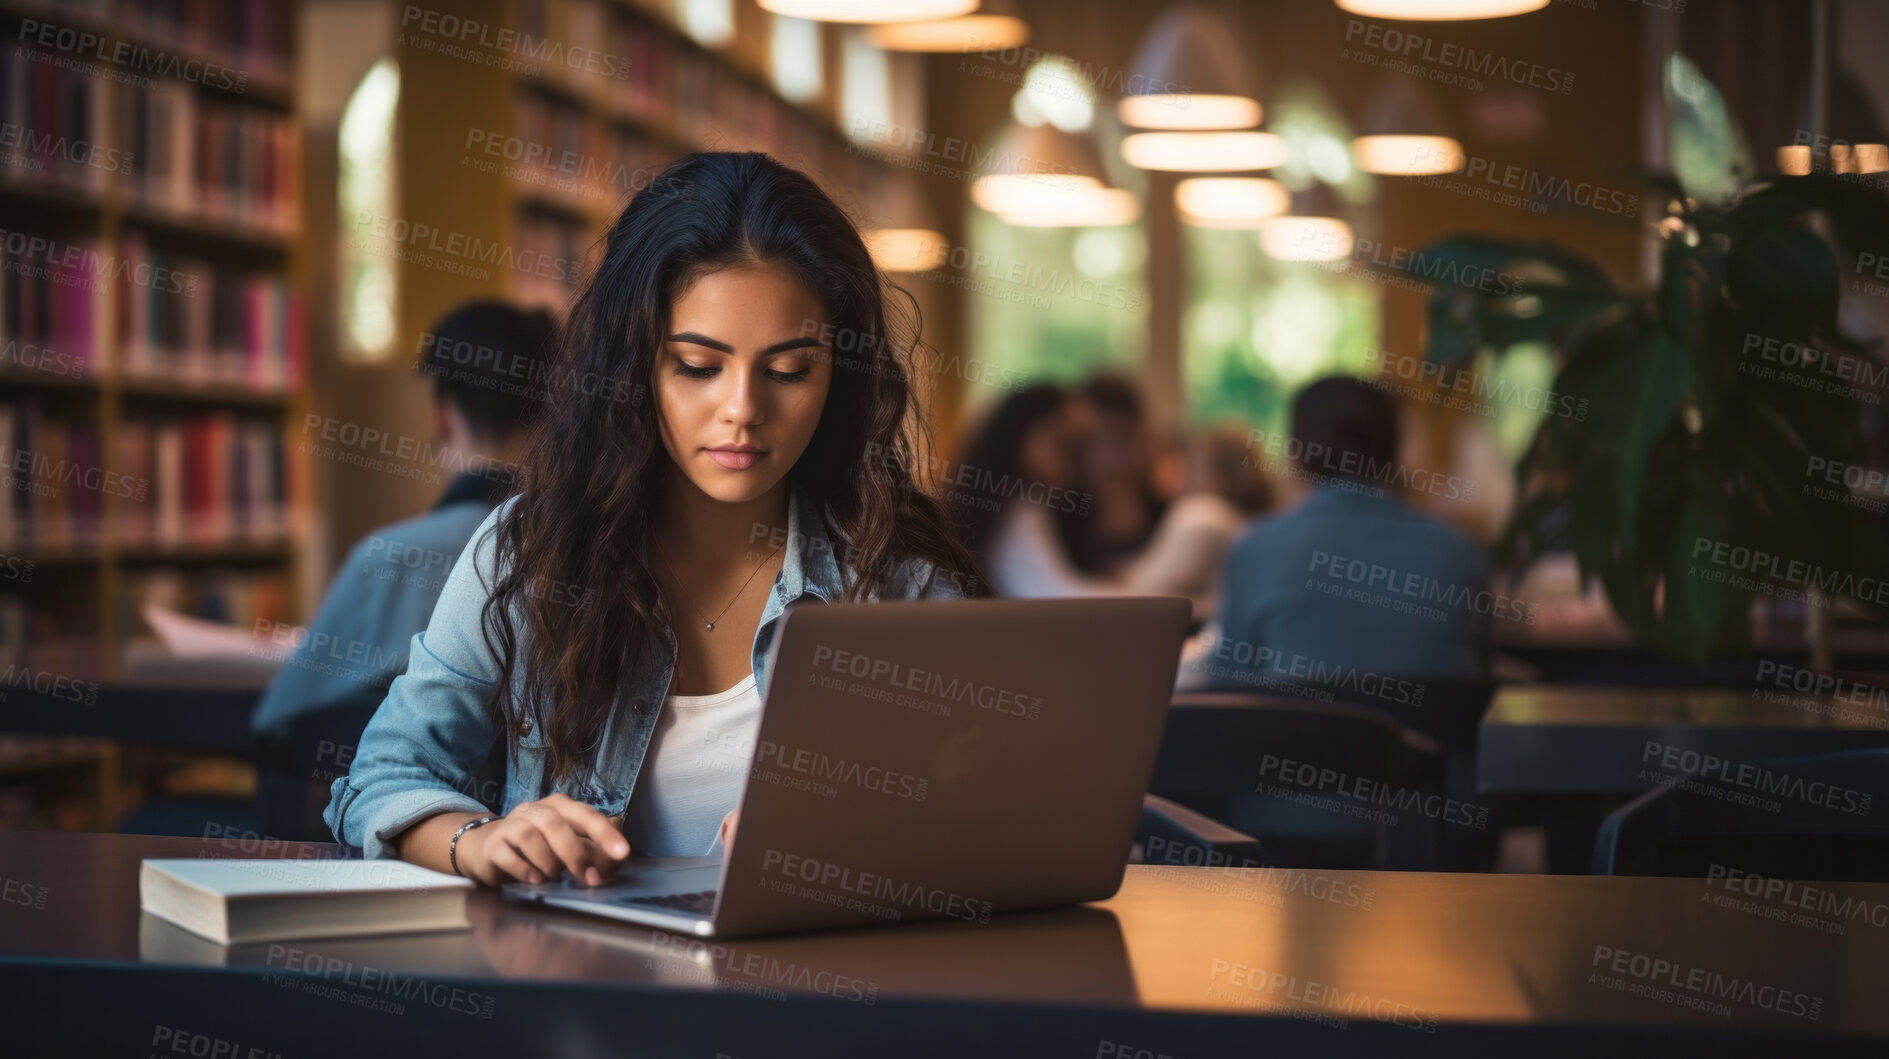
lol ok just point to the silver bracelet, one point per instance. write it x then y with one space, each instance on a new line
452 848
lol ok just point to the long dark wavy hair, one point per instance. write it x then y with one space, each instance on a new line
995 454
577 609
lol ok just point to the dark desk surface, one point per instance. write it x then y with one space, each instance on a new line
1571 739
1183 961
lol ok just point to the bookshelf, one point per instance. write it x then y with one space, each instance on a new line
595 97
151 335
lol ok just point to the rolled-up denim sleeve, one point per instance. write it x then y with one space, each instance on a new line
421 753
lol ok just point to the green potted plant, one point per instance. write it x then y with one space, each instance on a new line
1686 490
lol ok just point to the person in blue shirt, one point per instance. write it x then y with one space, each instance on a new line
487 361
1353 581
727 438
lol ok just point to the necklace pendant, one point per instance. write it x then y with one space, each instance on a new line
711 626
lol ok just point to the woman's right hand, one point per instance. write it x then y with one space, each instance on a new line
542 840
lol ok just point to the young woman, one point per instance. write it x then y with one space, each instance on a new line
1020 469
700 467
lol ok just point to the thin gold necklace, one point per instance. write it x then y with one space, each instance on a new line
709 623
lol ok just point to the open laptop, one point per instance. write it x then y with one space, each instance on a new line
925 761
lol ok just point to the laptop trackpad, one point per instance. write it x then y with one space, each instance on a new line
644 876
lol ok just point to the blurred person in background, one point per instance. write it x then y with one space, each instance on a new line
1116 468
1220 489
1289 584
1009 485
488 363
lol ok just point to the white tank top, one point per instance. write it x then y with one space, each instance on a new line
693 773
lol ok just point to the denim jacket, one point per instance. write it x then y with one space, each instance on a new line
427 742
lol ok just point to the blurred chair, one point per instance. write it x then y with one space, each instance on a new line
1672 831
1172 834
1448 710
1324 785
295 764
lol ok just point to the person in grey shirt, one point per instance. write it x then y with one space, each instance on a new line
1353 581
488 362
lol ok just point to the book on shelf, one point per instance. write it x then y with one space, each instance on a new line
209 480
53 306
248 39
52 122
53 479
188 320
195 159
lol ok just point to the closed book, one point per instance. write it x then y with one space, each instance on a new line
233 901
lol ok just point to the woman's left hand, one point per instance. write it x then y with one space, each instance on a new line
727 833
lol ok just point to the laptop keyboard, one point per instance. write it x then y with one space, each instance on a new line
700 903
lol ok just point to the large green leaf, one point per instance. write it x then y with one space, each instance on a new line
1654 379
1707 153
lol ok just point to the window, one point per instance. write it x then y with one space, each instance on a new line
369 281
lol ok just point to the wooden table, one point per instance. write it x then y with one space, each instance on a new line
1184 962
1559 739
